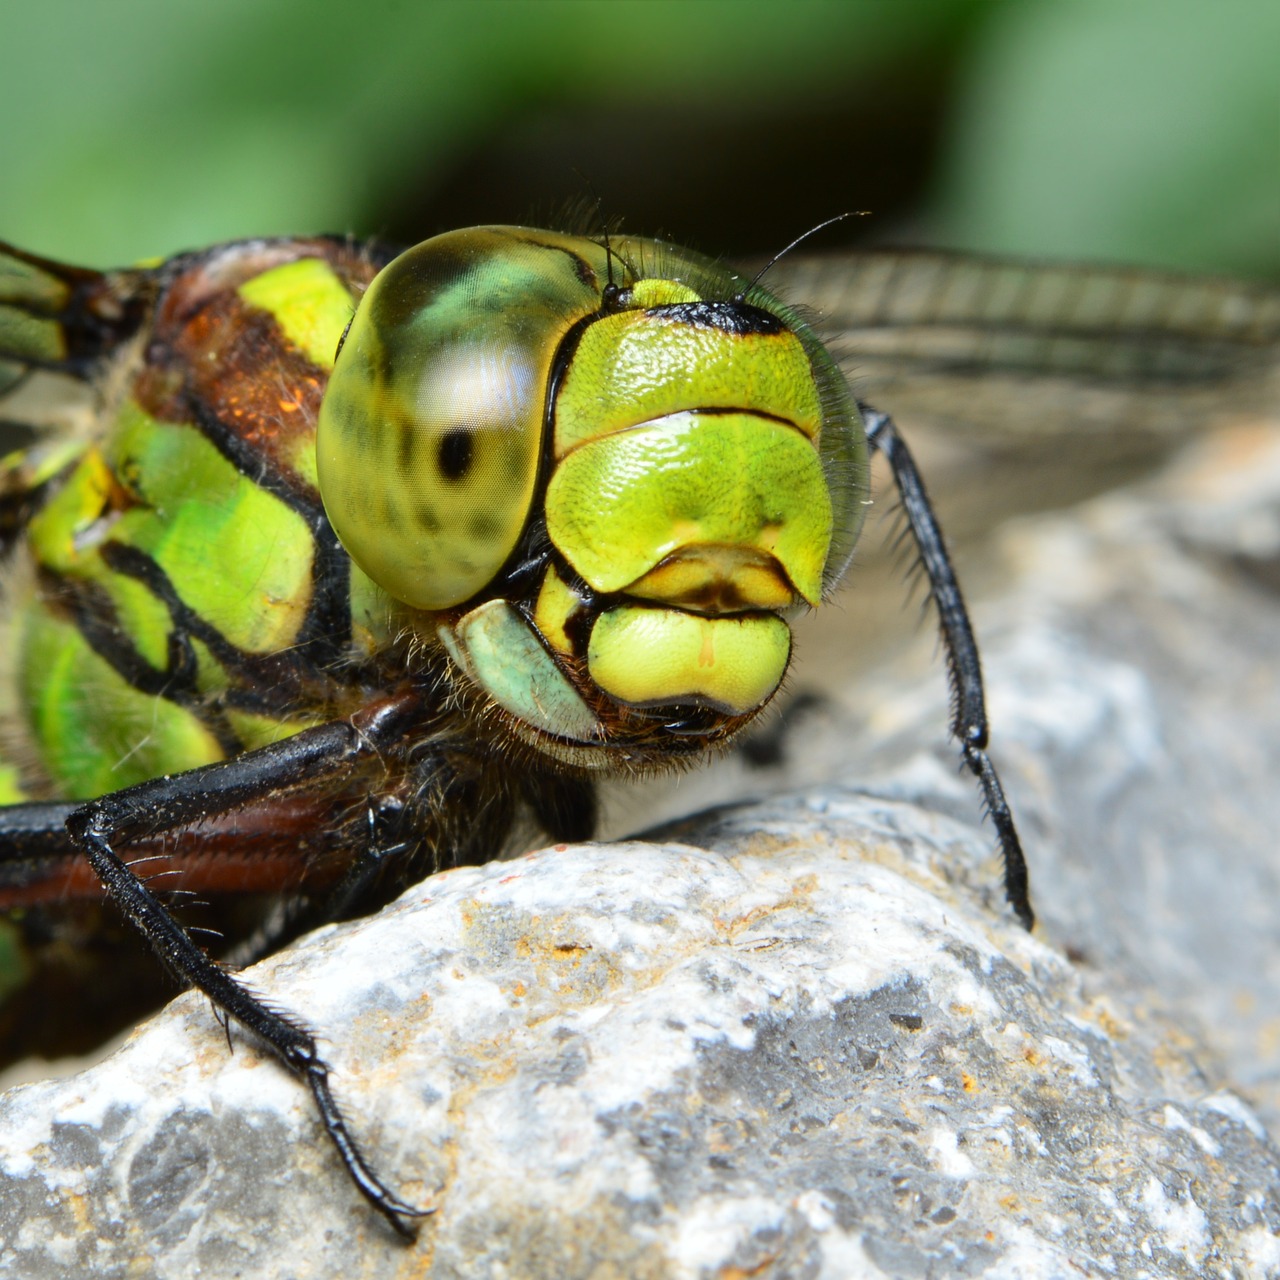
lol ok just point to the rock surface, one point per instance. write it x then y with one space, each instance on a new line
1134 673
807 1048
802 1037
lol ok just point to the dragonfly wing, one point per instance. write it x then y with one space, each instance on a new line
55 316
1012 351
1024 386
58 323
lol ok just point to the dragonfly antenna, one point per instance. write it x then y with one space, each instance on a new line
800 239
611 288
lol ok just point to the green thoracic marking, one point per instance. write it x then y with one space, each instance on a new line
262 730
499 651
619 505
636 366
373 612
644 656
309 303
58 531
163 489
96 731
430 432
195 509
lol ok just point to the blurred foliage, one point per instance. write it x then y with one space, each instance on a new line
1147 130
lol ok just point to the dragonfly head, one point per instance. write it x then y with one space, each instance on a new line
603 478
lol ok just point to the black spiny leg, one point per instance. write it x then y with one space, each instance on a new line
969 720
329 752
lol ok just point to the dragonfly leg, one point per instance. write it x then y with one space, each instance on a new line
964 668
327 752
33 837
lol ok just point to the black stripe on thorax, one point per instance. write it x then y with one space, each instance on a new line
273 684
325 634
94 614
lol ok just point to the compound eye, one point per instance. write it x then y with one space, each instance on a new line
430 432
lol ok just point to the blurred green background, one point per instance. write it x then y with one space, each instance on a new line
1137 130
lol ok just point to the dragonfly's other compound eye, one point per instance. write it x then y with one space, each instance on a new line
430 433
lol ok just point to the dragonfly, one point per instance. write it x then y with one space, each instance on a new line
328 565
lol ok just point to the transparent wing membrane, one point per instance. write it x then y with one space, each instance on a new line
1011 351
57 323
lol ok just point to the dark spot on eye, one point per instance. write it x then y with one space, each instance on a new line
427 518
406 441
454 454
388 515
484 528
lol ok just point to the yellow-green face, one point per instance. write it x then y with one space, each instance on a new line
601 479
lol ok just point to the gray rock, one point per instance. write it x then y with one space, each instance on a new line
1134 677
801 1037
808 1047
